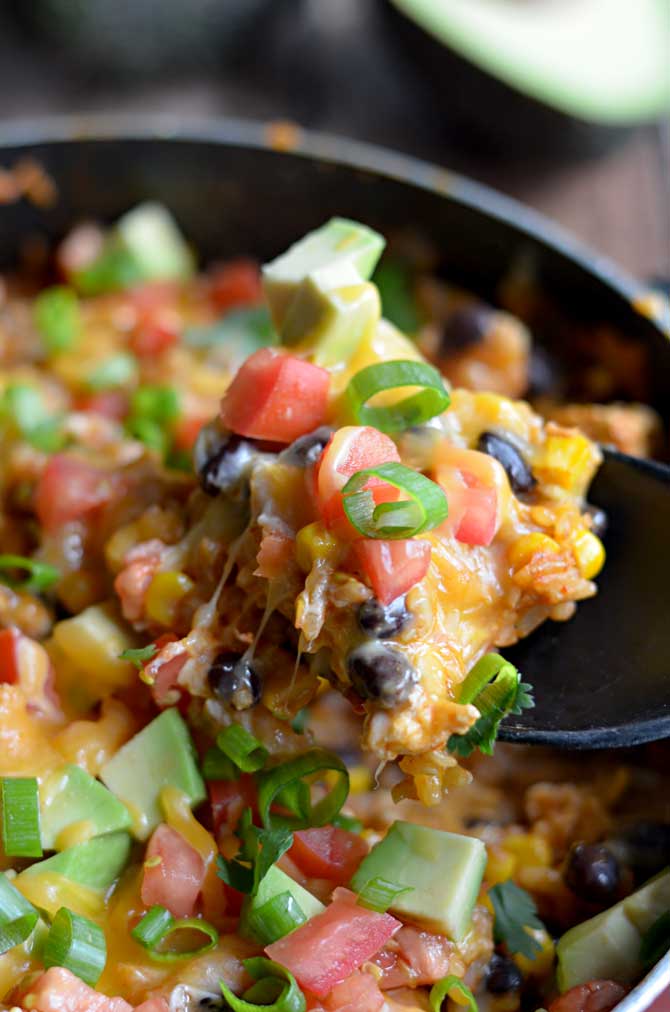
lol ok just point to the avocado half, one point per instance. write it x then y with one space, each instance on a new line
596 65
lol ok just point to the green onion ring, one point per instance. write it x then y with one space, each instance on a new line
443 988
416 409
425 509
379 894
40 574
158 924
275 989
285 784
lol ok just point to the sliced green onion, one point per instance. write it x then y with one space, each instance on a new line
286 785
275 989
77 944
24 407
116 371
113 269
40 576
159 403
18 917
242 748
20 817
276 918
425 509
379 894
348 822
217 766
393 279
443 989
148 432
57 317
494 686
153 927
416 409
139 655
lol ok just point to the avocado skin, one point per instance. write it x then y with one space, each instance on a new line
78 797
443 873
96 863
607 946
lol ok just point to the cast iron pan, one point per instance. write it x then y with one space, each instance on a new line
234 192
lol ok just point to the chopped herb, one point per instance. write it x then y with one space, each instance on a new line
139 655
515 912
259 850
494 686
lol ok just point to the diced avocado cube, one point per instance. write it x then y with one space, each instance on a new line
331 323
91 642
161 755
443 872
152 237
98 863
274 884
71 797
341 252
608 945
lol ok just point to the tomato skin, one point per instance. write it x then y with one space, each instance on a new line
236 283
276 397
69 489
392 567
329 947
596 996
9 669
175 881
329 853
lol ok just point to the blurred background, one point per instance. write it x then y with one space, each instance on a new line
560 103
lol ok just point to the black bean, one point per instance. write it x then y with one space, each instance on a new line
466 326
592 872
234 680
519 473
503 975
306 450
644 847
383 620
222 460
599 519
381 673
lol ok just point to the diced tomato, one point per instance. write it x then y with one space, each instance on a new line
477 490
358 993
153 1005
596 996
173 872
9 669
132 583
152 338
417 958
276 397
58 990
274 555
351 449
329 947
186 432
236 283
480 520
392 567
329 852
164 668
69 489
157 324
109 403
229 798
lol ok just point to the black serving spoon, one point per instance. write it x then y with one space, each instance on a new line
602 679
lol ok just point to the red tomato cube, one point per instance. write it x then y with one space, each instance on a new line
392 567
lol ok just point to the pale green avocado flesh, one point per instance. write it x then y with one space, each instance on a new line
161 755
604 61
69 796
443 872
607 947
98 863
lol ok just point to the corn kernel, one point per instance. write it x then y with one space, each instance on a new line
360 779
165 592
542 962
568 460
590 554
529 849
119 545
522 551
311 543
500 865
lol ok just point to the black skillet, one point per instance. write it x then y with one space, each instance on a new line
601 679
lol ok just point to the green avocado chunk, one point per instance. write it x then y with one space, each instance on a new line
274 884
161 755
331 323
444 872
97 863
608 945
341 253
71 795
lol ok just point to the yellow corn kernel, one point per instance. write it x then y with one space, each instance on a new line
360 779
590 554
567 460
522 551
529 849
500 865
313 542
165 592
542 962
119 545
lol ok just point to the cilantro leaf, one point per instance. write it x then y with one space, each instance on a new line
656 941
259 850
139 655
514 912
494 686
